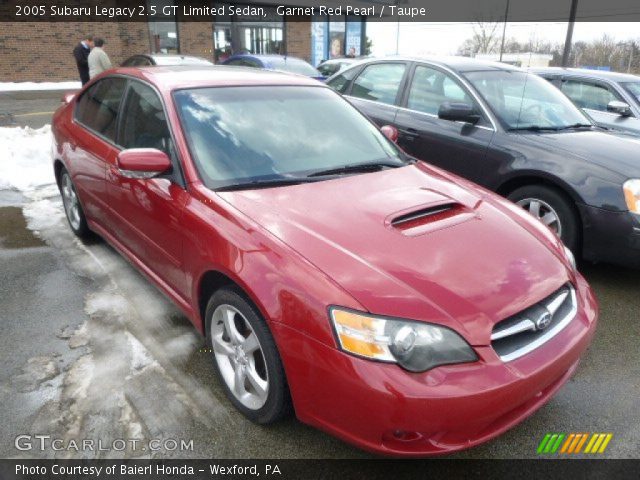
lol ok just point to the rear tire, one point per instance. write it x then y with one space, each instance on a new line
72 207
246 357
552 208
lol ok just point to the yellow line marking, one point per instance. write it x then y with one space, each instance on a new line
591 442
32 113
605 443
594 449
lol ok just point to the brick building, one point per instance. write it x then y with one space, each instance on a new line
41 51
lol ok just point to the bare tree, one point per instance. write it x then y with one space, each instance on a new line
485 39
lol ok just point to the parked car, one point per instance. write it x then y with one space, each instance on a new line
395 305
329 67
611 99
514 133
163 59
274 62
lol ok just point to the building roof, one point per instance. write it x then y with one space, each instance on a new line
193 76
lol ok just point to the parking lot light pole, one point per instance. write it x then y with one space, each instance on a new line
567 42
504 29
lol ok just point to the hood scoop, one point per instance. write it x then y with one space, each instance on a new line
429 218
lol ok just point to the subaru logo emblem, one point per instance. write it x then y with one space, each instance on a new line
543 320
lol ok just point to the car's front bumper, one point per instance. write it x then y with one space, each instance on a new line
383 408
610 236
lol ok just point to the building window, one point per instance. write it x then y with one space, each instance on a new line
248 34
336 39
164 34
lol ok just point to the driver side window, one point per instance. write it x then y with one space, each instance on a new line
588 94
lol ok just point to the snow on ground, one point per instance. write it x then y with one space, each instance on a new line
133 343
30 86
25 158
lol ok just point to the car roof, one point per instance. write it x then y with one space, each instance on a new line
193 76
586 72
460 64
343 60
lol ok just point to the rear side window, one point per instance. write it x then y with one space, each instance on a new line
143 122
379 82
341 82
430 88
97 108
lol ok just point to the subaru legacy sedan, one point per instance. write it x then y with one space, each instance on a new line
516 134
383 300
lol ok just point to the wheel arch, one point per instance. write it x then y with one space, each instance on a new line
530 179
536 178
57 169
213 280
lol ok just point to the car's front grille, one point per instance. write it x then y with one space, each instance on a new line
527 330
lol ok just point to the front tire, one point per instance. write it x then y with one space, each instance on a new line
72 208
552 208
246 357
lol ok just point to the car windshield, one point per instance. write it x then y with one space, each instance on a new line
240 135
294 65
525 101
633 88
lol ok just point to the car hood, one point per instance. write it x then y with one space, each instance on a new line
614 152
467 264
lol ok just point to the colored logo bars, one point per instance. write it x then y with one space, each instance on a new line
573 443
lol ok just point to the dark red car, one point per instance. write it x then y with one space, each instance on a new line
388 302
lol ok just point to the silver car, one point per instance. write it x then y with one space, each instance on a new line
611 99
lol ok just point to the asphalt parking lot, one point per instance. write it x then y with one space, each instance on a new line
92 350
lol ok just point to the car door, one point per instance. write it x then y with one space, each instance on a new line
148 211
93 146
456 146
377 89
593 97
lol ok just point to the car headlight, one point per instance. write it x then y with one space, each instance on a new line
415 346
631 190
571 257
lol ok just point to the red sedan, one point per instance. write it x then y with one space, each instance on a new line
385 301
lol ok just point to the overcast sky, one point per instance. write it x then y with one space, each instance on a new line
444 38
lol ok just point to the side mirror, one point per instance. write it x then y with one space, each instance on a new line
458 112
142 162
620 108
390 132
67 97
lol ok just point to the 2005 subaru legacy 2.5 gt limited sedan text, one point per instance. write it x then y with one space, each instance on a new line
392 304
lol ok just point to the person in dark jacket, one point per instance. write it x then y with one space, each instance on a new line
81 54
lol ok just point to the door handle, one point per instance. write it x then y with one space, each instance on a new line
409 133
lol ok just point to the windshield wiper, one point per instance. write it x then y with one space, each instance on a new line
539 128
358 168
576 125
534 128
272 182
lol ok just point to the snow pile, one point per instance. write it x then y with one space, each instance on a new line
30 86
25 158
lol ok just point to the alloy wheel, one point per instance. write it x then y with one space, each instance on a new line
543 212
239 356
70 201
